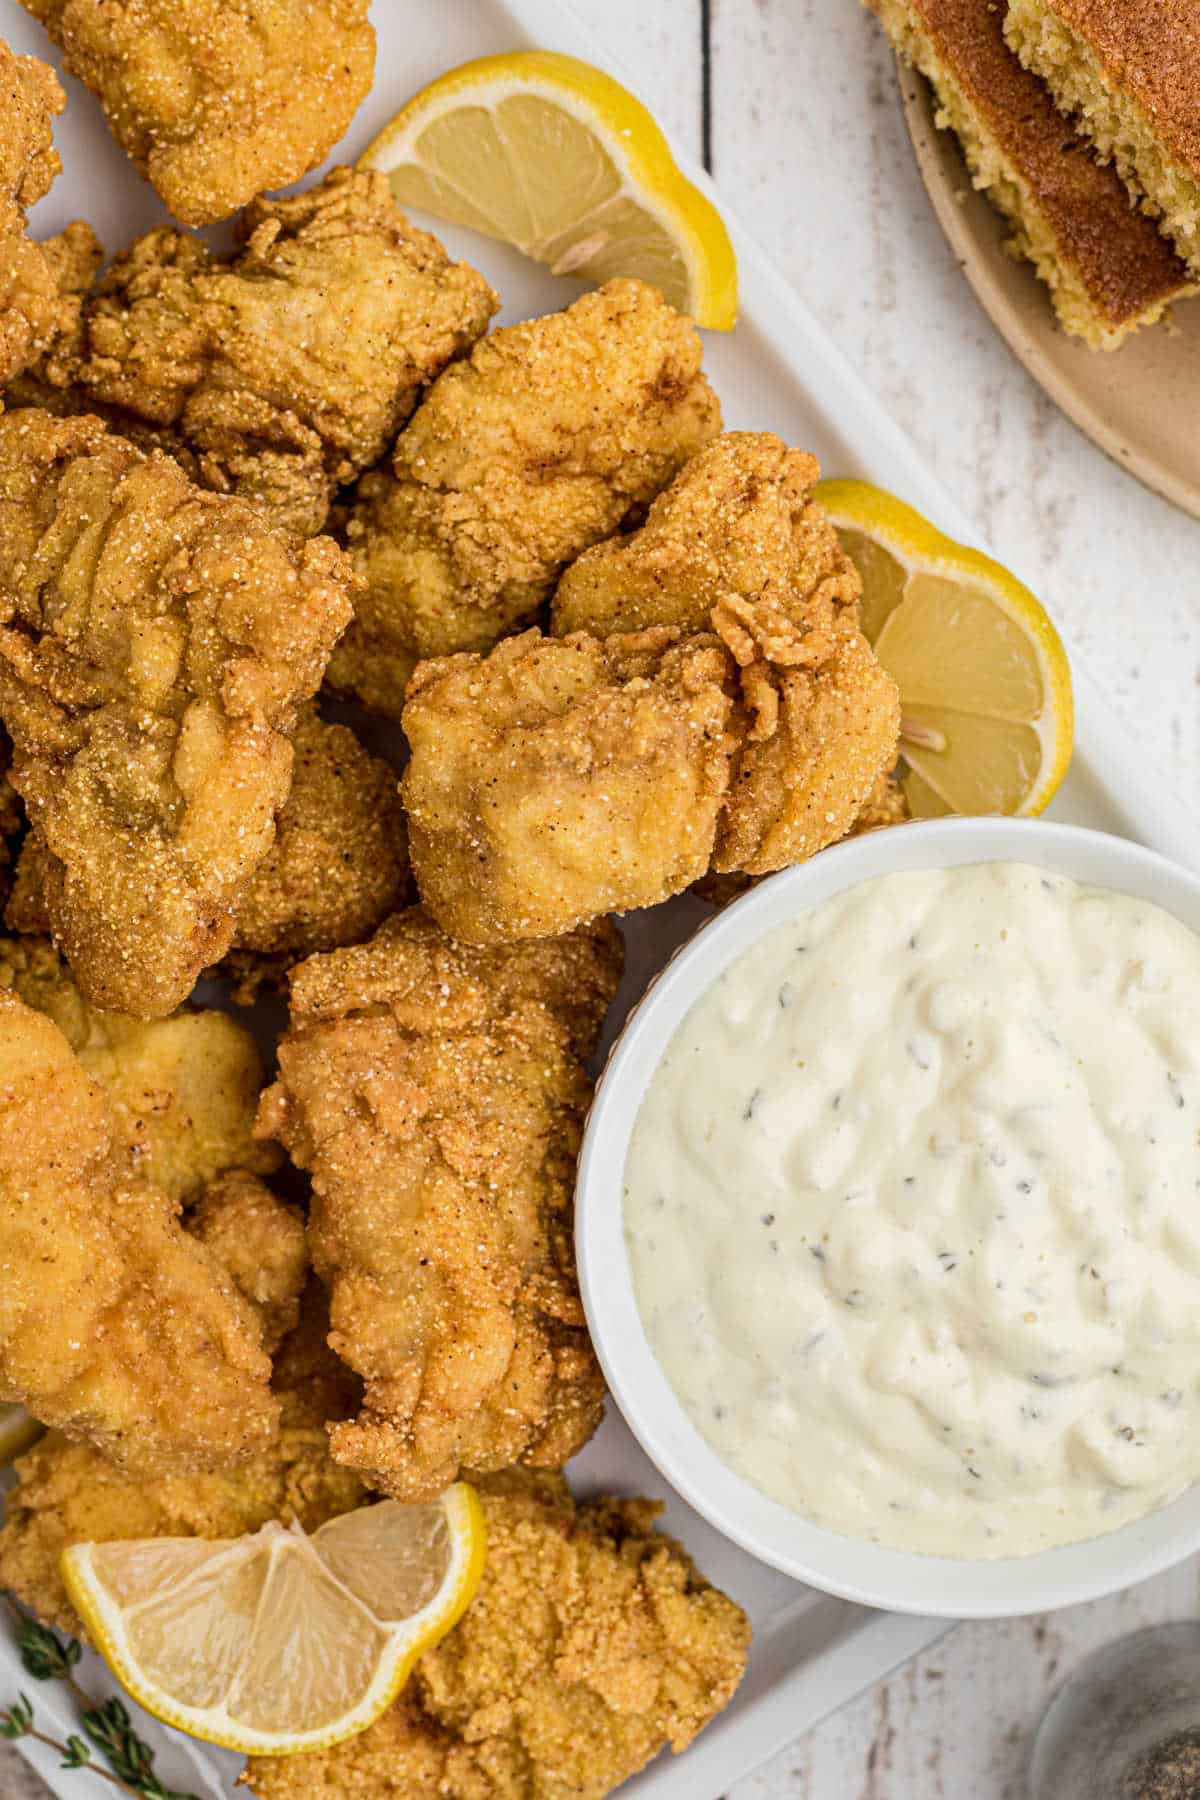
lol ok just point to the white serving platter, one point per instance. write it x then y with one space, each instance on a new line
778 371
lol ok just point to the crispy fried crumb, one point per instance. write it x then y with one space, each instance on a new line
593 1643
436 1096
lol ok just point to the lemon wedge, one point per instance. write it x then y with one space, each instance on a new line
985 687
550 154
277 1642
18 1430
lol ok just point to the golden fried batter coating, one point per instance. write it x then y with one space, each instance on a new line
31 308
593 1643
552 782
339 863
886 805
72 260
70 1493
182 1091
834 729
290 367
155 643
738 545
557 779
540 444
259 1240
735 543
115 1325
436 1096
217 100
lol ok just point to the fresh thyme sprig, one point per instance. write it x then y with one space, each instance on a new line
107 1726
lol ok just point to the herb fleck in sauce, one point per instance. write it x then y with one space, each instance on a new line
913 1216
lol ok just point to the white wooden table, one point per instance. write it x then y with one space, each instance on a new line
796 102
805 137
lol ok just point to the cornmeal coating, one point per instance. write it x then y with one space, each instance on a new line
286 369
115 1325
155 643
31 304
541 443
339 863
216 100
259 1240
886 805
436 1095
736 722
71 261
738 545
592 1644
558 779
70 1493
182 1091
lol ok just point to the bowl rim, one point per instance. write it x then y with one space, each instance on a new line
851 1568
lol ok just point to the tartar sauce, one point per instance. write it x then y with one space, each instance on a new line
913 1209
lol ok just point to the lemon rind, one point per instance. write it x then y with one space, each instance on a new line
916 545
412 1640
632 135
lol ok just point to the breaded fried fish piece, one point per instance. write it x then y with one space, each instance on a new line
592 1644
339 863
156 642
738 545
31 300
71 1493
260 1242
183 1090
216 100
558 779
542 442
714 708
436 1096
115 1325
284 370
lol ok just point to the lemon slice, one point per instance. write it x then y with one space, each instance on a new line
985 687
18 1430
545 152
277 1642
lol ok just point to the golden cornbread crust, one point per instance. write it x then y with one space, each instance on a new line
1150 51
1106 265
1128 72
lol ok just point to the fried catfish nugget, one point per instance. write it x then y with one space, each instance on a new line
183 1091
436 1095
286 369
592 1644
31 298
557 779
738 545
216 100
260 1242
339 863
71 1493
540 444
115 1325
155 643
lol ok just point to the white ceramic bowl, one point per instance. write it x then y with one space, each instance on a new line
900 1581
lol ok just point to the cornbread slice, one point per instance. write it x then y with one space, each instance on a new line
1129 72
1107 267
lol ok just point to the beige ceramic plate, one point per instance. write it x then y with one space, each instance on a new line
1139 403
